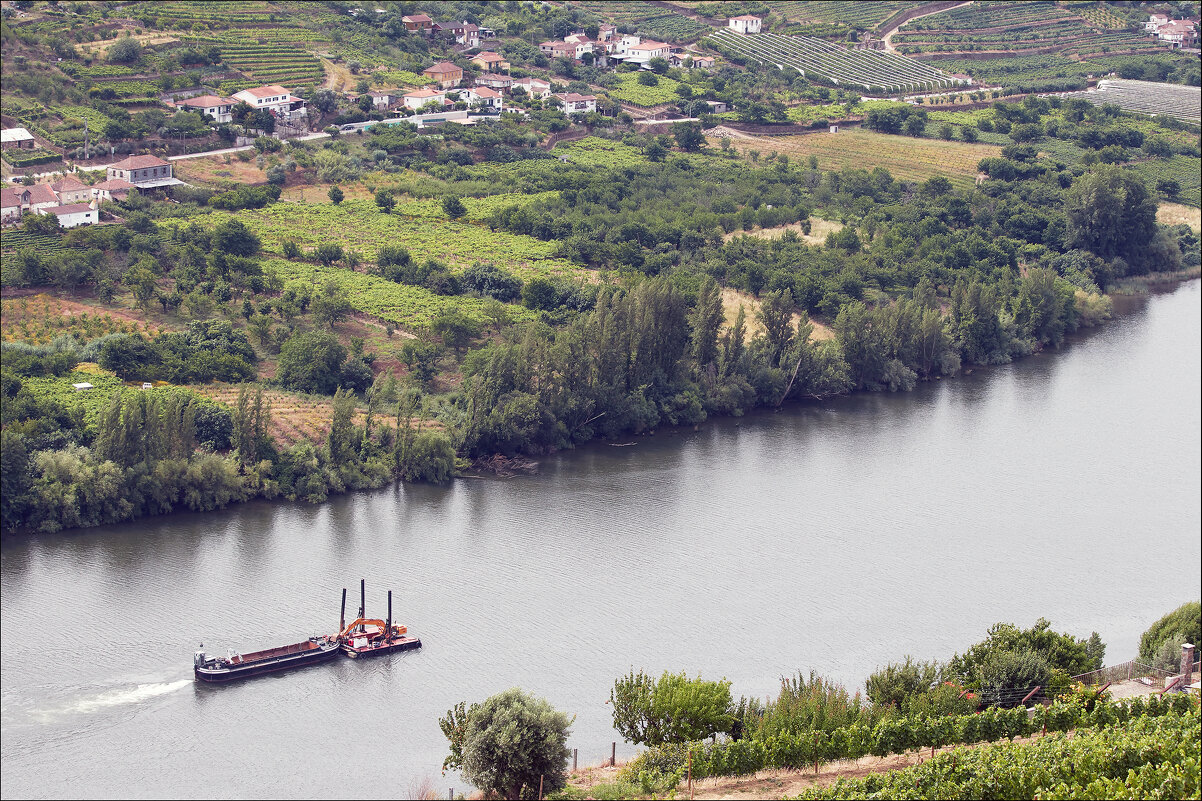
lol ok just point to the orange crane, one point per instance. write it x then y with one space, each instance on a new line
360 624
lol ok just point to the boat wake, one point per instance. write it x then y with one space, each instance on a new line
127 695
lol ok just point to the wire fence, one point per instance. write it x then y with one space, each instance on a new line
1125 671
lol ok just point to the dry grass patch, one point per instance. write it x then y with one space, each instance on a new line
218 170
819 229
733 298
905 157
1176 213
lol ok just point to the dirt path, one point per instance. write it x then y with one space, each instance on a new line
887 39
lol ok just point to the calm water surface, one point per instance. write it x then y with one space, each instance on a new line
832 537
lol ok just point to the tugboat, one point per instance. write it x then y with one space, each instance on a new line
286 657
372 636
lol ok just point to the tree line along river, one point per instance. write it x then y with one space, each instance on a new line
829 536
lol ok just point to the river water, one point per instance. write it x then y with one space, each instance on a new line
832 537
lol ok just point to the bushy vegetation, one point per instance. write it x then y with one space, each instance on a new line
1183 624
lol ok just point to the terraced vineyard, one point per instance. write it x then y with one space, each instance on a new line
1017 28
864 15
1146 97
275 63
906 158
42 244
869 69
650 20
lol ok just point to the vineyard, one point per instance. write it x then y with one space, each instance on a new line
37 319
788 751
93 401
358 224
906 158
593 151
1185 170
814 58
42 244
1016 27
629 90
276 63
865 15
1146 758
1146 97
405 306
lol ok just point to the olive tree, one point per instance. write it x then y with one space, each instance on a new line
509 744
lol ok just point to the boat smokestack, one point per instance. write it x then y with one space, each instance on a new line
362 597
388 623
342 613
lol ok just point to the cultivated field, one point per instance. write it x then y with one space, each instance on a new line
816 58
1147 97
906 158
37 319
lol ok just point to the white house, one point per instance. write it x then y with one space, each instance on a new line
535 87
144 172
74 215
420 97
274 98
577 104
640 52
489 98
744 24
1155 21
216 108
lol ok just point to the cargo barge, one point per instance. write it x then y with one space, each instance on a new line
362 637
286 657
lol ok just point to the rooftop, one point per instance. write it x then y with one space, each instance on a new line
442 68
139 163
265 91
15 135
208 101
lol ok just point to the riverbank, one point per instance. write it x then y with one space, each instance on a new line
240 481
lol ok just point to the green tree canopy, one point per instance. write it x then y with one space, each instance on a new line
674 709
1111 213
311 362
1184 622
508 744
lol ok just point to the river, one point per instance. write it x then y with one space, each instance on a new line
833 537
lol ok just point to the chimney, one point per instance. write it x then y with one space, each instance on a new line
1187 665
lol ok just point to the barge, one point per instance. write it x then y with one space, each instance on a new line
286 657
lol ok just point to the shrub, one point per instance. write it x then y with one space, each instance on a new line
509 744
1184 623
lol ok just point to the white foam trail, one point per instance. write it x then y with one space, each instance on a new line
143 692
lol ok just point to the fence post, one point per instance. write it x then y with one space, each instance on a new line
1130 667
613 754
451 794
575 758
690 779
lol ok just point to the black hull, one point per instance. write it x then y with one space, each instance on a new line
358 653
220 675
